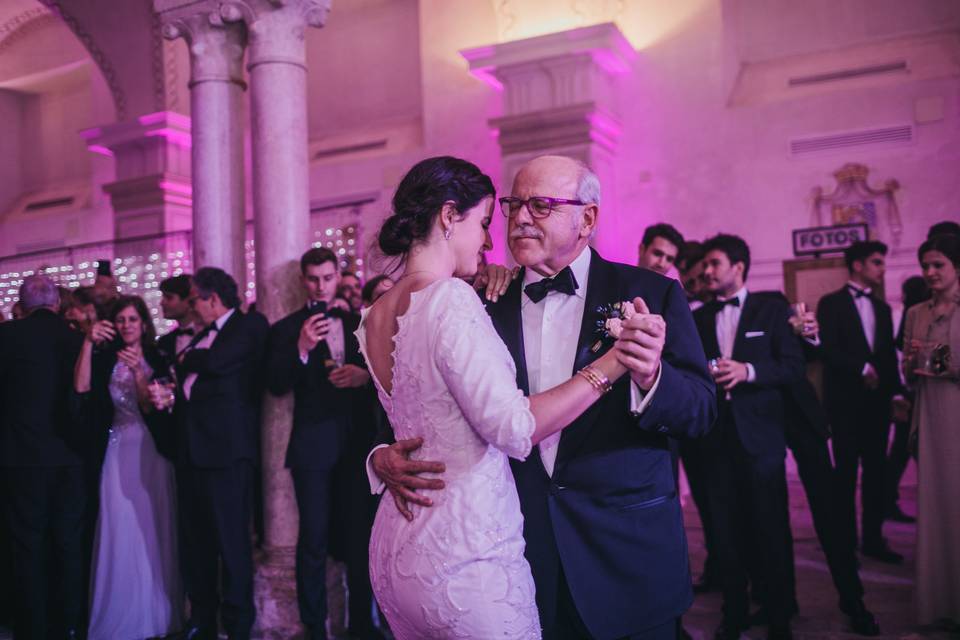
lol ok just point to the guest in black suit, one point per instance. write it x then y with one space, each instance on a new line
859 380
314 353
217 412
175 305
41 453
807 433
753 356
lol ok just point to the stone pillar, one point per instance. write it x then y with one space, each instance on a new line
151 194
278 112
560 97
216 108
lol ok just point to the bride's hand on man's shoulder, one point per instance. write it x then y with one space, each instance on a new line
494 280
393 466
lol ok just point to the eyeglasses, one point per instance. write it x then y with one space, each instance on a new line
538 206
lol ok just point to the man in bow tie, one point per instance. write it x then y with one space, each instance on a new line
217 414
314 353
175 305
602 520
860 379
753 356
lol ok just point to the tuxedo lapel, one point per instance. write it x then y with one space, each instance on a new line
508 322
747 316
602 288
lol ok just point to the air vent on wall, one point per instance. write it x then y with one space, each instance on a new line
848 74
897 135
39 205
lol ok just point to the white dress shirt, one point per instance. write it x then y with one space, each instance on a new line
335 342
551 333
865 310
206 343
728 320
183 339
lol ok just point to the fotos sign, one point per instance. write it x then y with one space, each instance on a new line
835 239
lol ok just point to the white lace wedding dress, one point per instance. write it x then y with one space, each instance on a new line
136 591
457 570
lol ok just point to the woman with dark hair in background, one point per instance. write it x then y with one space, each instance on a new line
135 585
932 367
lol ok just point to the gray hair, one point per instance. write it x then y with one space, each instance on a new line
588 185
38 291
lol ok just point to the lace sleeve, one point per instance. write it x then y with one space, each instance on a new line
479 372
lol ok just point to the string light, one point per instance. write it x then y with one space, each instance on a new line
137 273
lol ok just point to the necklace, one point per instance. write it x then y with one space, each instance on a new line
410 273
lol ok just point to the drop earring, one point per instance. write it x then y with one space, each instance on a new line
446 234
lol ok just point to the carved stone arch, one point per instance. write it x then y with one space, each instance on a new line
99 58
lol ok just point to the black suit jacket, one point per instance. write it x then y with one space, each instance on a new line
324 418
37 355
777 359
610 514
845 351
803 406
219 424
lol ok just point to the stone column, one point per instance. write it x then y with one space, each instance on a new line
278 112
216 109
560 97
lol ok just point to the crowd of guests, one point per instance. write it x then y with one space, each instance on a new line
759 346
130 461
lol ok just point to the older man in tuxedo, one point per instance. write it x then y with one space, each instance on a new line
41 453
602 518
217 412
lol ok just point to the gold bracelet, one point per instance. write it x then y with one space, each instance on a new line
597 380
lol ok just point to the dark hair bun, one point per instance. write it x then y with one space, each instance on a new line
396 236
421 195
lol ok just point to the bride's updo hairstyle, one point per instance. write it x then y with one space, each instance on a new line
422 194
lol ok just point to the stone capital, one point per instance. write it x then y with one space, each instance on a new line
276 28
216 47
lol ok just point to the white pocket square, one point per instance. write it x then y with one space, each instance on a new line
754 334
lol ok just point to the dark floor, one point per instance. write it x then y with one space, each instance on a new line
889 589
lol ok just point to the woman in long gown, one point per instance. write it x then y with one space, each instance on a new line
457 569
937 405
135 579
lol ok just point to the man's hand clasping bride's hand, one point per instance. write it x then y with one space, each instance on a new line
640 344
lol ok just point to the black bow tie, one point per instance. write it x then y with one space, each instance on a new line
189 331
858 293
563 282
733 302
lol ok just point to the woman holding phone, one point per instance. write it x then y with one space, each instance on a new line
135 579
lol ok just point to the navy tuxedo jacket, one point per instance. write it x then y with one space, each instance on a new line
777 358
324 417
610 516
219 424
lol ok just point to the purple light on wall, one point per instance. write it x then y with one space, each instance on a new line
96 148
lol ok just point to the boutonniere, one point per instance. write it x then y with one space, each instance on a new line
610 323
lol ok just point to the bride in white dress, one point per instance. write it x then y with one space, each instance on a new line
457 569
135 585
